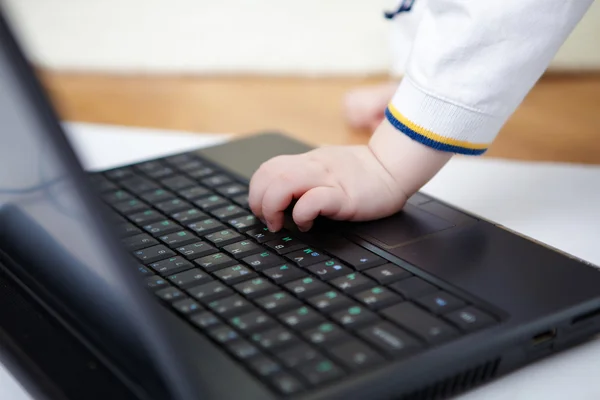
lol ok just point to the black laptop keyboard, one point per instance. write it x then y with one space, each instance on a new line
295 315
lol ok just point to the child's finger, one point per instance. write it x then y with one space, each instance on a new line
258 186
322 200
282 191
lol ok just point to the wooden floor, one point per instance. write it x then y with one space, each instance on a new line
558 121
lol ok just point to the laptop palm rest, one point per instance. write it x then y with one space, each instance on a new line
406 226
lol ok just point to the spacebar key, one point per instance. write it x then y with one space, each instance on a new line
353 254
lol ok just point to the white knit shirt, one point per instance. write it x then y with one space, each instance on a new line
472 63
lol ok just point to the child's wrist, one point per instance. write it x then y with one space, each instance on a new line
410 163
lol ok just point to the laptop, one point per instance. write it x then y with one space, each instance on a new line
155 281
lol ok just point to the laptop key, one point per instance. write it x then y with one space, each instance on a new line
284 273
223 238
242 201
353 282
211 202
180 159
286 383
171 265
223 334
127 229
232 305
205 319
190 165
177 239
285 245
189 216
320 371
228 212
161 228
172 206
328 270
387 273
232 189
245 222
153 254
255 287
278 302
194 192
306 257
234 274
262 235
353 254
378 297
177 182
201 173
440 302
470 319
130 206
160 173
263 260
157 195
264 366
144 271
355 316
189 278
116 196
242 249
302 317
215 261
305 287
187 306
196 250
206 226
355 355
389 339
278 337
138 242
216 180
102 184
170 294
326 334
155 282
146 217
299 354
421 323
242 349
209 291
413 287
138 184
330 301
149 166
120 173
251 322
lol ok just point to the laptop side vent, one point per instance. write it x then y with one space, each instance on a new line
456 384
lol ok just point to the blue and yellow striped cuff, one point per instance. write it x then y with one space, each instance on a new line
429 138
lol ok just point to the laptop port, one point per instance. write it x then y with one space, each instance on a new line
586 317
543 337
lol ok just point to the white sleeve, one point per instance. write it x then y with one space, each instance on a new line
471 65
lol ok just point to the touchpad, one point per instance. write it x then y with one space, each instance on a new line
405 226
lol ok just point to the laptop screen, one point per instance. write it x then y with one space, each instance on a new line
53 239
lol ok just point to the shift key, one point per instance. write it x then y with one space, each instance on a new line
353 254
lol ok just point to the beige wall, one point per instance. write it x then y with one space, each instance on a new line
237 36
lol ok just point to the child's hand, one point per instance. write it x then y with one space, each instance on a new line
355 183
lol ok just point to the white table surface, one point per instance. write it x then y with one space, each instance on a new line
558 204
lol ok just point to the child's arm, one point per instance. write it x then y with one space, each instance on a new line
472 63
